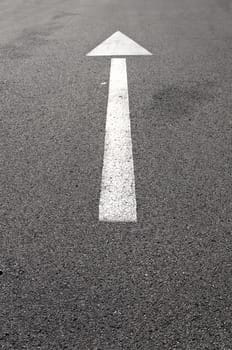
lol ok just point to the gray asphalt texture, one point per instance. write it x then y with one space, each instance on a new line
68 281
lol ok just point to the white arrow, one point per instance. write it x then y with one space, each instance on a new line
118 199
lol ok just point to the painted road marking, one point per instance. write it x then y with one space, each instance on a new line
119 44
118 198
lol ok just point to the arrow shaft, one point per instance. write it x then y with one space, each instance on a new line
117 199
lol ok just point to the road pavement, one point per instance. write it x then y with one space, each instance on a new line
68 280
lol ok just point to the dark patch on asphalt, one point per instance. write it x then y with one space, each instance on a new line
175 102
62 15
224 4
23 47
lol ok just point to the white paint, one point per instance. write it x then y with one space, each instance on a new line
117 200
119 44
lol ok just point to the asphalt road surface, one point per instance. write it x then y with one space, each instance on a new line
68 280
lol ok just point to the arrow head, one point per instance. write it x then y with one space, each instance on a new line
119 44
